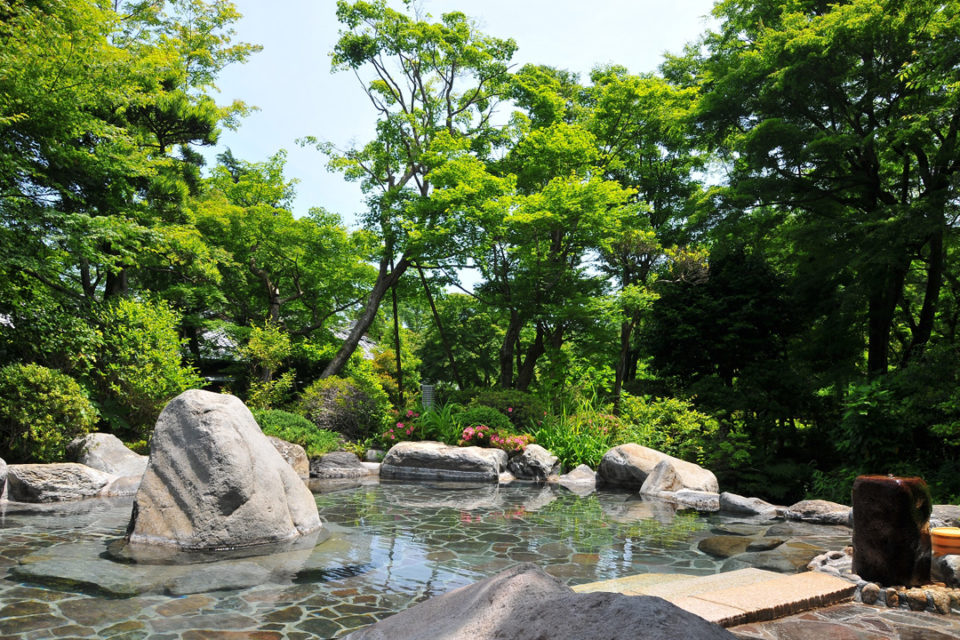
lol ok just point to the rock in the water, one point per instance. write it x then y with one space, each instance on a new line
581 481
789 557
891 531
819 512
214 481
724 546
945 515
689 499
946 569
835 562
733 503
106 452
628 465
672 474
535 463
338 464
638 508
437 461
524 602
120 487
54 482
3 478
294 454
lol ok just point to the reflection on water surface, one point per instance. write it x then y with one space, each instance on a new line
385 547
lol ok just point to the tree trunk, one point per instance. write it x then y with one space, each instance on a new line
396 341
931 296
623 362
385 279
271 290
443 336
117 284
506 350
881 307
526 371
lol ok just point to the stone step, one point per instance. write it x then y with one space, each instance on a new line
735 597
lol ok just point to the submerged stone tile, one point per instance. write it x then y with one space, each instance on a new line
555 550
349 609
320 627
215 621
215 634
356 621
288 614
24 608
128 629
184 606
23 624
96 612
74 631
808 630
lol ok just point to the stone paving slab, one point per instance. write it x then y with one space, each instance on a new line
633 585
715 612
736 597
781 596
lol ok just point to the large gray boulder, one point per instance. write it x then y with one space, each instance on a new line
3 478
535 463
946 569
55 482
294 454
214 481
338 464
690 499
525 602
820 512
437 461
673 474
945 515
740 505
628 465
106 452
581 481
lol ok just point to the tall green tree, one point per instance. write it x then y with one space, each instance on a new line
101 105
98 108
643 127
433 86
840 124
300 274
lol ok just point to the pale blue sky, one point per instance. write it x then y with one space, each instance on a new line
290 80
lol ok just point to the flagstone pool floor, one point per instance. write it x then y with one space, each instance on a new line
390 547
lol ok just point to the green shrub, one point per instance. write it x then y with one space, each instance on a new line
270 394
298 430
141 367
439 423
41 411
477 415
669 425
524 410
581 438
354 407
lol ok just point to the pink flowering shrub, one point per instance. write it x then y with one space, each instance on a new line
402 430
484 436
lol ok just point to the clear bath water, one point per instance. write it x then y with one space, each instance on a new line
385 547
